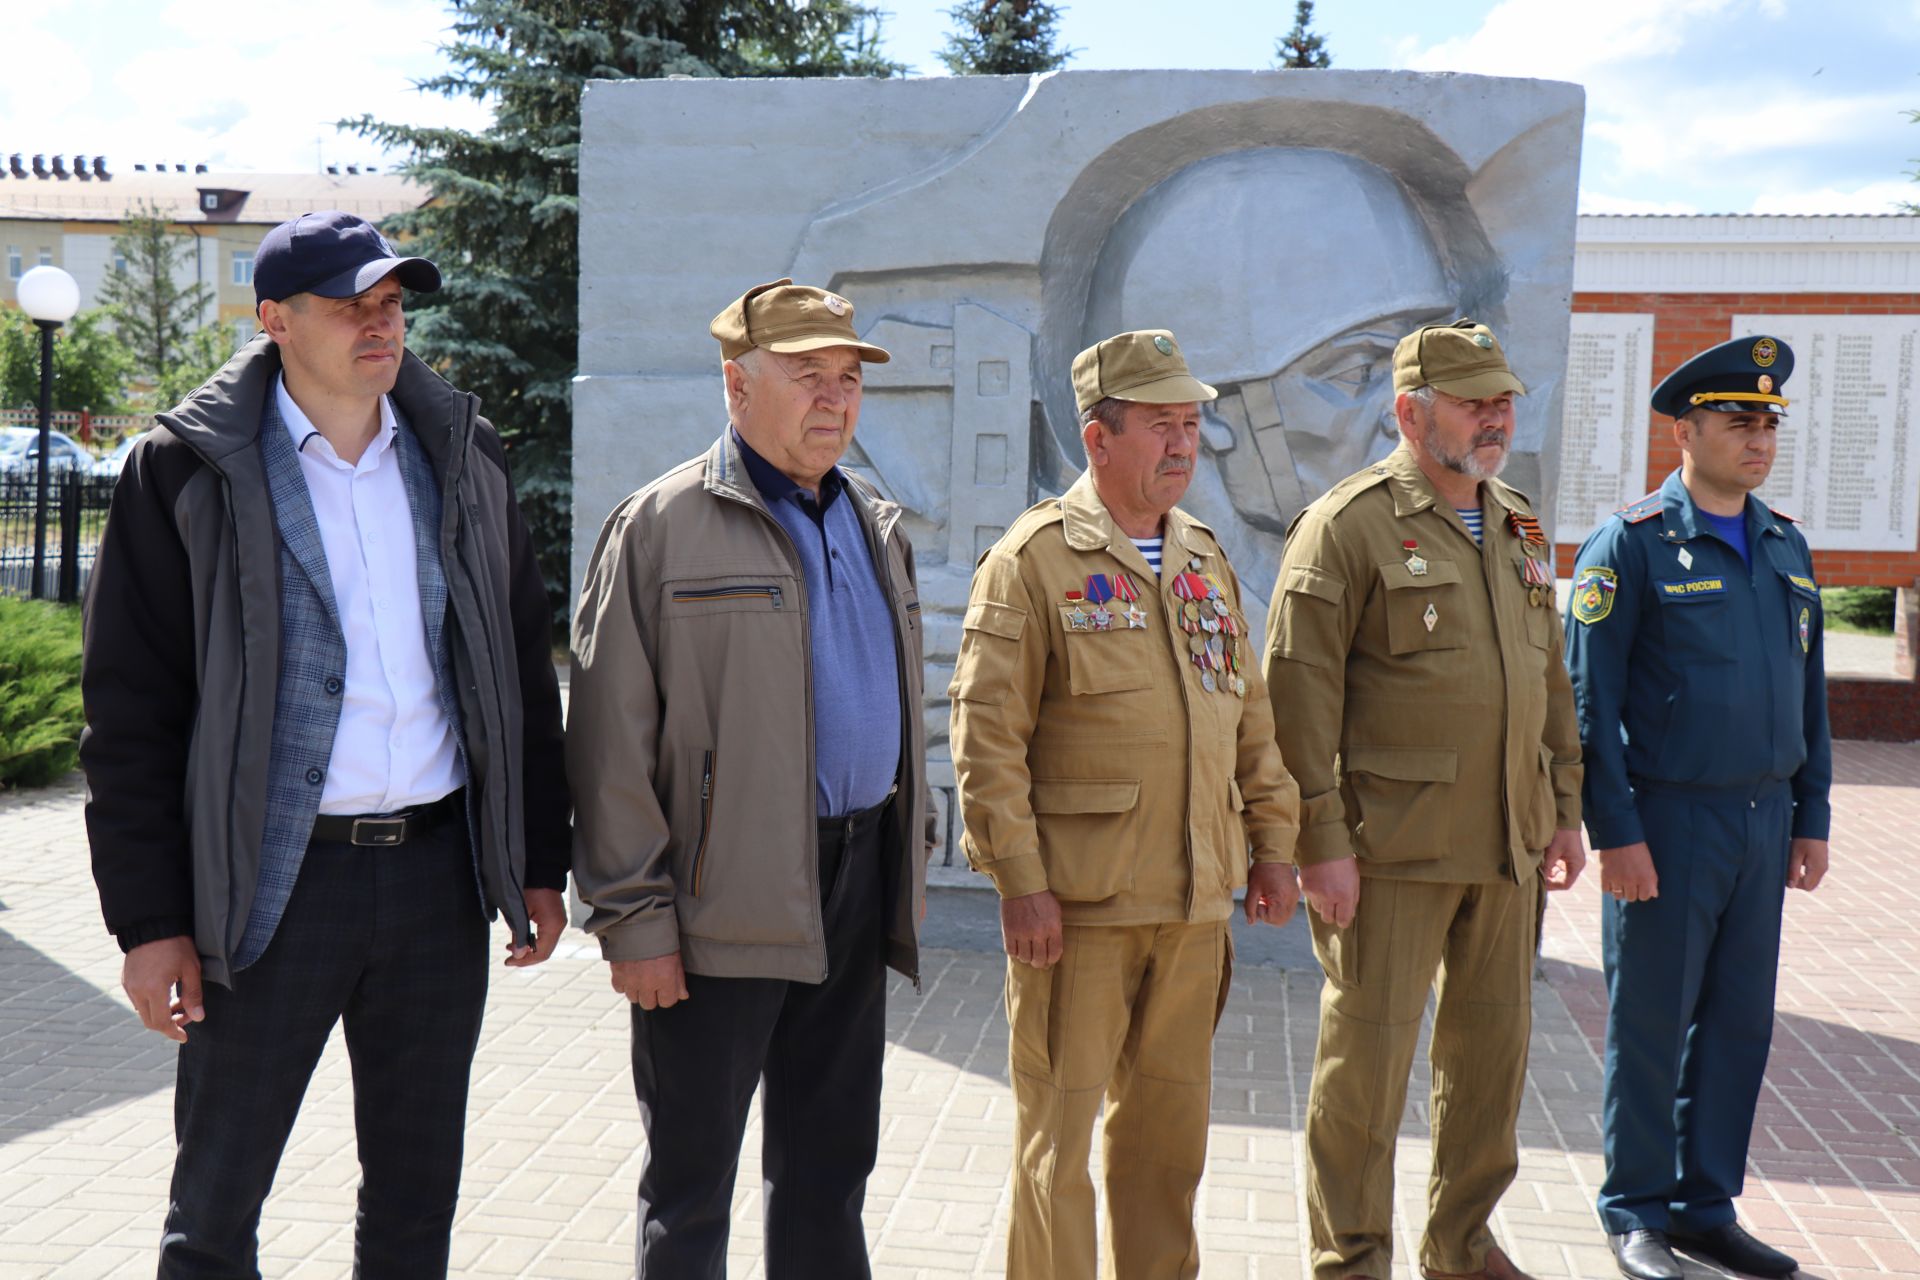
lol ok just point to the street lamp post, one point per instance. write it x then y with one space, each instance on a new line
49 296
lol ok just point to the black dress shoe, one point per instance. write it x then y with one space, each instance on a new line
1644 1255
1731 1247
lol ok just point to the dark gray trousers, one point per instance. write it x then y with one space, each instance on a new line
818 1048
392 943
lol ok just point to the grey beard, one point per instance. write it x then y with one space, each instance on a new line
1469 464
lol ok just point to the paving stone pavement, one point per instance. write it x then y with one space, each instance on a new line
554 1144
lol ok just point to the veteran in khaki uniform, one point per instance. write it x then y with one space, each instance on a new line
1118 777
1413 657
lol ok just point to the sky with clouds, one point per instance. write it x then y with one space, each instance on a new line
1768 106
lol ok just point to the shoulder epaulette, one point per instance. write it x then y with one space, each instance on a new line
1784 516
1513 497
1640 509
1028 523
1335 500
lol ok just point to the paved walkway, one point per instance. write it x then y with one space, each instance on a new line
554 1142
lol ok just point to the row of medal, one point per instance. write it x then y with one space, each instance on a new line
1534 572
1100 589
1213 637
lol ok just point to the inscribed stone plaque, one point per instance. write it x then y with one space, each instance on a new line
1846 467
1603 427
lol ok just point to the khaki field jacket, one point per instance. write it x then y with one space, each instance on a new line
691 725
1095 762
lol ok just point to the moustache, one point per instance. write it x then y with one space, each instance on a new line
1174 466
1490 437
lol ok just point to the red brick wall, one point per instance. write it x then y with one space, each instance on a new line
1686 323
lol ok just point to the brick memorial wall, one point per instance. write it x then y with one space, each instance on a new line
1848 468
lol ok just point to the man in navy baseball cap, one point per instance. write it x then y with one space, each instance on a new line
331 254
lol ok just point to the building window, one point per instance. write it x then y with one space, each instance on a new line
243 331
243 266
46 257
210 202
120 262
14 268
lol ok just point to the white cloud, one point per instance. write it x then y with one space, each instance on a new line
174 85
1556 40
1874 197
1709 103
1601 202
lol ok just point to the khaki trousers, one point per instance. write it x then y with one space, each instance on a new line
1128 1013
1479 938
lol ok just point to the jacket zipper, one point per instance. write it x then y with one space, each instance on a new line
706 820
910 844
702 595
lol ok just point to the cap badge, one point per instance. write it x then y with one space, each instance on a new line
1766 383
1765 352
1164 347
1482 341
836 304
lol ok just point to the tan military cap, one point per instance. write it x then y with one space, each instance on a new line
788 317
1462 359
1144 366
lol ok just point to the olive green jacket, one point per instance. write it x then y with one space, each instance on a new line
1419 691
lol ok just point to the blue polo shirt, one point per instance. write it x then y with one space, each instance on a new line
856 662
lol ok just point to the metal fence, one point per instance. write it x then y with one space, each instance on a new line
76 513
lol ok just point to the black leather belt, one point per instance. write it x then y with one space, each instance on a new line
845 829
386 829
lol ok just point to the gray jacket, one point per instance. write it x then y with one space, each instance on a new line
183 648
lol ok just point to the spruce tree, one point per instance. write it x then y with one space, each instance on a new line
1004 38
153 313
1301 47
503 221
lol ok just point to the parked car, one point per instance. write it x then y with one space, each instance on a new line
20 453
110 465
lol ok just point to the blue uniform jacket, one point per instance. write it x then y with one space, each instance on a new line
1703 675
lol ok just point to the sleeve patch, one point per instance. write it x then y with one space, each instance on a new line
1000 620
1309 581
1593 590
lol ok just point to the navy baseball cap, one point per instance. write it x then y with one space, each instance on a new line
332 255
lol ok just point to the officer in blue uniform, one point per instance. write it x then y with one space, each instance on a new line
1694 640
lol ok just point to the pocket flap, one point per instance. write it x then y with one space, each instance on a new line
1000 620
1234 797
1802 584
1407 764
1395 575
1085 795
1318 583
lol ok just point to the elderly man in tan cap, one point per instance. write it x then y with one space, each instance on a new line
1413 658
750 829
1119 780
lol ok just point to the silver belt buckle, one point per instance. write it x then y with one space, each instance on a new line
379 831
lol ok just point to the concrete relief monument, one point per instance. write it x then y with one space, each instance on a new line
1288 227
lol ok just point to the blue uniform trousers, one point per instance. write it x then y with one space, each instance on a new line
1690 981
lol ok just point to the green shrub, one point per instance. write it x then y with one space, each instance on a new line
1865 608
40 715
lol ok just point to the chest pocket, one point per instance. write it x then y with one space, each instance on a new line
1424 611
1803 612
695 598
1115 660
1696 614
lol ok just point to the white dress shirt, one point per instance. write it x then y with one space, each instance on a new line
394 747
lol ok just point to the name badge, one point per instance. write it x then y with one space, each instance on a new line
1691 588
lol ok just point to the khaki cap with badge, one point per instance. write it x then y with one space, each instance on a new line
1462 359
789 318
1144 366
